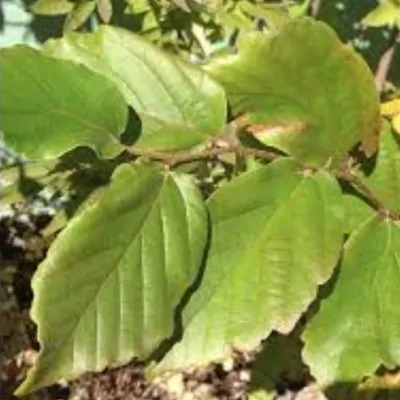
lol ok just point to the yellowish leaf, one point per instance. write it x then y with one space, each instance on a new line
390 108
396 123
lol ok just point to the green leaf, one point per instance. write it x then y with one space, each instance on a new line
22 181
299 10
262 394
357 211
109 286
84 186
52 7
357 327
302 91
276 235
52 106
178 104
79 14
387 12
384 180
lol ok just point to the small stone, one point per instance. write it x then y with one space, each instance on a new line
175 385
228 364
245 376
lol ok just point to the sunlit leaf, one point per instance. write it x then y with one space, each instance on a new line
302 91
51 106
391 109
178 104
396 123
299 10
357 327
276 235
387 12
110 283
52 7
79 14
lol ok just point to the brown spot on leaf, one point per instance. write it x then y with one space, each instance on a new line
262 130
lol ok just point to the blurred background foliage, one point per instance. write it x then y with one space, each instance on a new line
198 29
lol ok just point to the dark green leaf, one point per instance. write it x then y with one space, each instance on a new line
279 360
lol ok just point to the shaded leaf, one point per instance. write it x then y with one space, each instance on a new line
357 327
110 283
52 7
22 181
79 14
273 16
263 267
384 180
82 189
52 106
178 104
302 91
279 360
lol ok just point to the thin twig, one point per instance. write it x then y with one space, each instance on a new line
364 190
182 157
386 60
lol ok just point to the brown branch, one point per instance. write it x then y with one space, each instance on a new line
385 61
182 157
364 190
